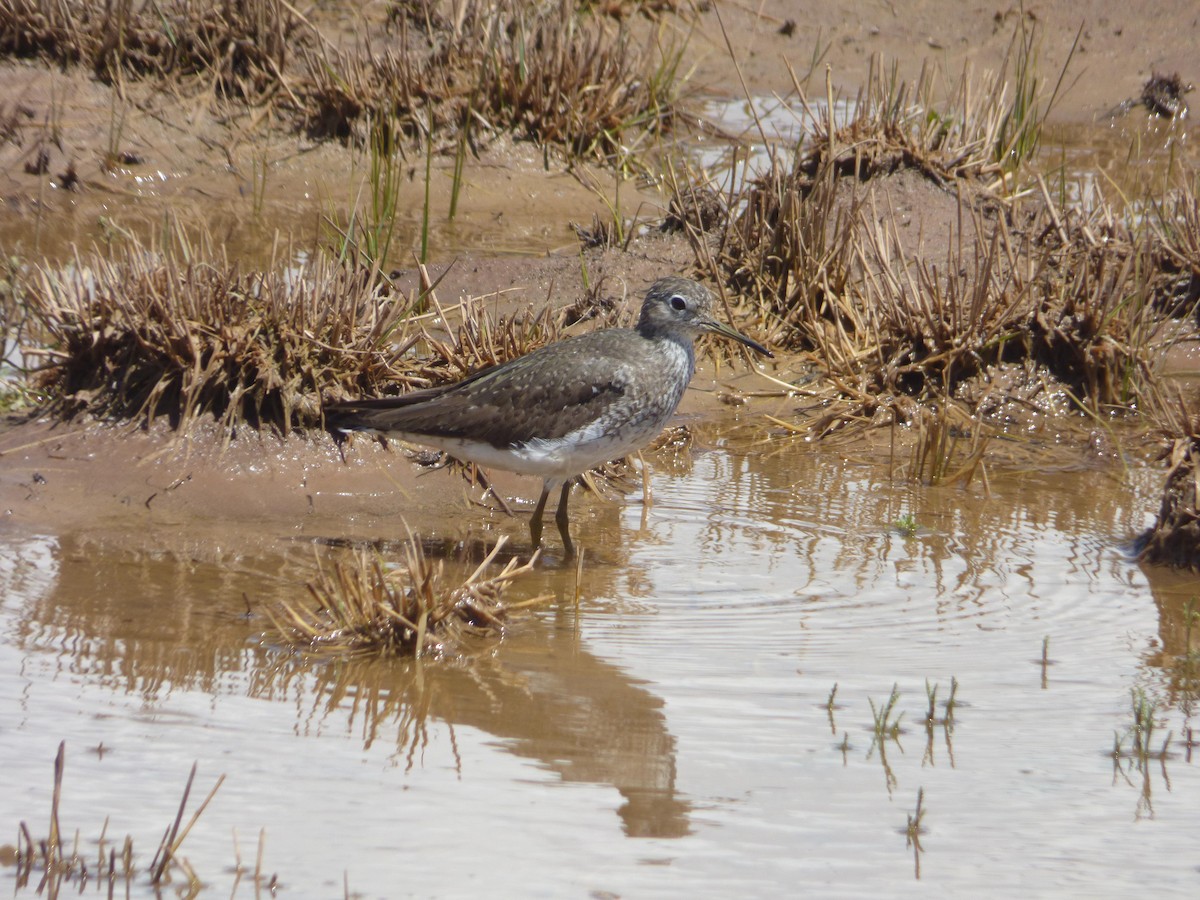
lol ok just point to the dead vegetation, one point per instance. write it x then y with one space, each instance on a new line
480 339
1163 95
553 73
59 864
827 268
138 335
359 608
242 46
546 73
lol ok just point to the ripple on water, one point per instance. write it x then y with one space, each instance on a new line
801 553
674 733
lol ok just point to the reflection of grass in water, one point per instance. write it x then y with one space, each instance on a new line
1186 669
1134 750
913 831
931 716
1136 743
886 727
59 864
361 609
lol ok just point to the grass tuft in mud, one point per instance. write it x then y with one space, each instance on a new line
481 339
828 266
358 608
139 335
242 45
549 73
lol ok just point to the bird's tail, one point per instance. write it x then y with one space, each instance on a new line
368 414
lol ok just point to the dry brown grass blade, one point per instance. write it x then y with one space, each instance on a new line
61 867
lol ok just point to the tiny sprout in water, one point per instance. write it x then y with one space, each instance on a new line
906 525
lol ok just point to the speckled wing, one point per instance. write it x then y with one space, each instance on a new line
546 394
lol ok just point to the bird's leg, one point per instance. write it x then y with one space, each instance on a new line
560 519
535 524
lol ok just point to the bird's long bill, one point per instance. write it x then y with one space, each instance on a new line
722 329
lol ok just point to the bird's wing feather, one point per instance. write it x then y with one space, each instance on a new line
545 394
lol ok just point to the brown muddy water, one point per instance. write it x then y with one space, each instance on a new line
671 734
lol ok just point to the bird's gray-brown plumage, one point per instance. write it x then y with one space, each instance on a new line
564 408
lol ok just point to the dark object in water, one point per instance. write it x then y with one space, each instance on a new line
1163 96
1174 538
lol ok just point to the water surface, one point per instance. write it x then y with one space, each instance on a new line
673 732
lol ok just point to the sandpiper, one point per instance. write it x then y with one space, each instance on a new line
564 408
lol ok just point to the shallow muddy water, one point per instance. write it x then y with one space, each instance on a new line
669 735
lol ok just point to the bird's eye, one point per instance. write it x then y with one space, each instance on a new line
678 303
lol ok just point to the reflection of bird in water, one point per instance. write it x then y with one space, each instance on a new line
564 408
571 712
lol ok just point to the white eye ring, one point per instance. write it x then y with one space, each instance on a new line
678 303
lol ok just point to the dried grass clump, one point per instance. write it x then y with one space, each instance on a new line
1095 321
794 224
1174 538
825 267
361 609
548 73
948 446
1074 296
981 130
1163 95
242 44
138 336
897 125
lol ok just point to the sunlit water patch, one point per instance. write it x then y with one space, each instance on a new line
1128 162
702 722
753 131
